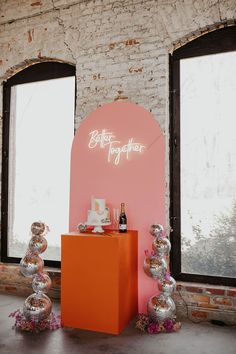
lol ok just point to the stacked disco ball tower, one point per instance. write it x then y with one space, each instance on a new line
37 307
160 307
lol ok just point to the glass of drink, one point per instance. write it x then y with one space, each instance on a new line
116 215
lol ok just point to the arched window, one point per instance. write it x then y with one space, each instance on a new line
38 129
203 159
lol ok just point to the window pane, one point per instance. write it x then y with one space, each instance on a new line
41 133
208 164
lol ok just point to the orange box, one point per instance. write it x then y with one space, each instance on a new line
99 289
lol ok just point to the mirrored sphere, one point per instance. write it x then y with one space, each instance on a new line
161 308
155 267
31 264
156 230
38 244
37 307
41 283
161 246
82 227
38 228
167 286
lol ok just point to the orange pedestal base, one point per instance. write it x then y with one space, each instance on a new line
99 281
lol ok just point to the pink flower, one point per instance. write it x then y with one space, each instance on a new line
142 322
167 276
177 326
53 322
168 324
153 328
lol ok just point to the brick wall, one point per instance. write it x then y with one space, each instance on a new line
204 302
199 302
13 282
120 50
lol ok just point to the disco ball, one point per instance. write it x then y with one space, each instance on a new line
161 246
38 244
38 228
167 286
156 230
37 307
155 267
41 283
161 308
31 264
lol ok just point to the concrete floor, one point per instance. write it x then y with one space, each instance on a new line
201 338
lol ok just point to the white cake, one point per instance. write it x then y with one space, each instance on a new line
99 213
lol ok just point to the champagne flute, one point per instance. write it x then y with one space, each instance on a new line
116 216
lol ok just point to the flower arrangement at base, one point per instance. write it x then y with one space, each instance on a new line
29 325
145 324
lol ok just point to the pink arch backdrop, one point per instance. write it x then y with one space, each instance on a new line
118 154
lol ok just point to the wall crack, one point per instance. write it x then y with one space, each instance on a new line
62 25
219 11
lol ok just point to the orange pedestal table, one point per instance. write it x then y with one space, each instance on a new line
99 280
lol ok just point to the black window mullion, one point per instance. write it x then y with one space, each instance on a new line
175 169
5 159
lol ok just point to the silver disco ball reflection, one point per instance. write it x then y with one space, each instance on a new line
38 228
156 230
37 307
41 283
38 244
161 308
167 286
31 264
155 267
161 246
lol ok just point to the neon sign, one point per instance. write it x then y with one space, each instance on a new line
115 151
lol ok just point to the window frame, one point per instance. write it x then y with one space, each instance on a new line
36 72
219 41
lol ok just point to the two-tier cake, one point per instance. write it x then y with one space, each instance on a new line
98 215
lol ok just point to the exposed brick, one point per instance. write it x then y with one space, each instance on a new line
216 291
193 289
199 314
36 3
201 298
208 306
2 267
136 70
231 292
222 301
56 282
30 35
179 287
10 288
131 42
120 98
97 76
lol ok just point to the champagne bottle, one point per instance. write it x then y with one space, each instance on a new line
122 219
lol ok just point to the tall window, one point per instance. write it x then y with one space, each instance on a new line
203 159
38 129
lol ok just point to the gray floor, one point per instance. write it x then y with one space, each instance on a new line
201 338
